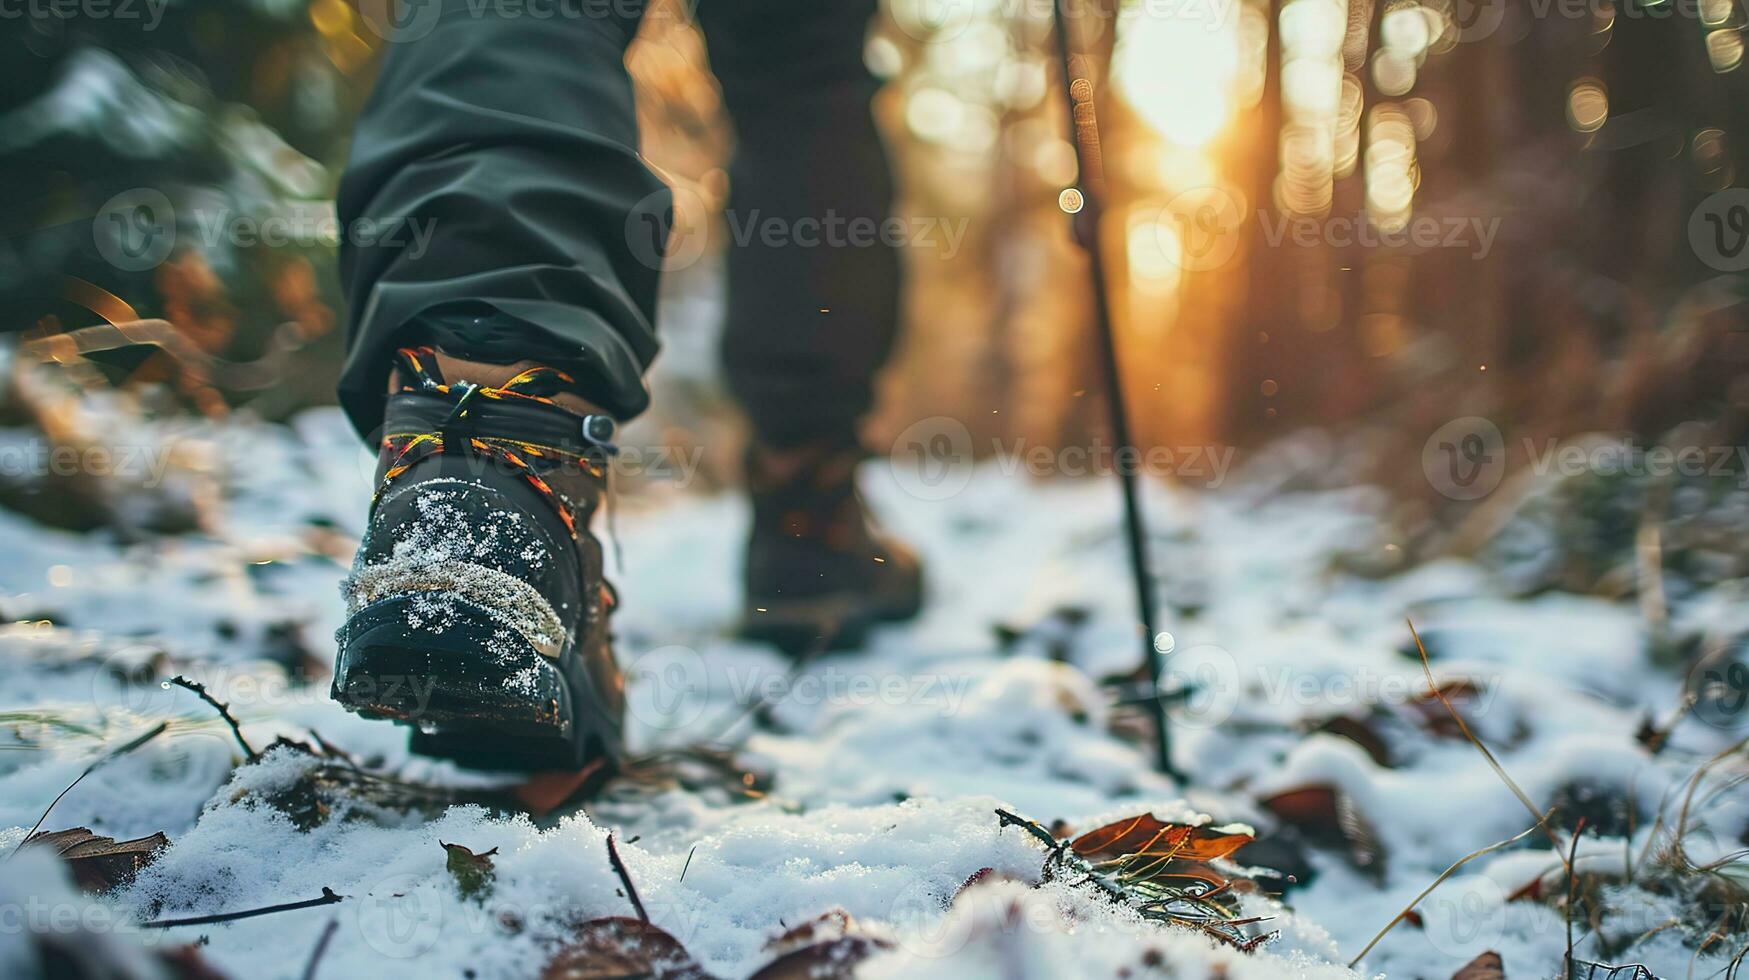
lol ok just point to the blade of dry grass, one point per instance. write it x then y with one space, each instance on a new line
1447 873
103 760
1464 726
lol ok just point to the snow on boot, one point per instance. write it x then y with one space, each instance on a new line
477 604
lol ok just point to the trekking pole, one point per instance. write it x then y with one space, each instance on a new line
1084 130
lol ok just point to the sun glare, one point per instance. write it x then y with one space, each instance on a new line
1177 71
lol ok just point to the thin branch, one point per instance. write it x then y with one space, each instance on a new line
1567 912
328 898
224 711
93 767
688 863
1447 873
625 877
1006 819
321 947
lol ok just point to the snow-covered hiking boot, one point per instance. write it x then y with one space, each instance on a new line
477 604
818 575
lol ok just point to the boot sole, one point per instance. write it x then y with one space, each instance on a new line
474 692
809 626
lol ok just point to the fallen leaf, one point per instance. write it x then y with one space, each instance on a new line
472 872
832 924
1361 732
618 947
185 962
1328 817
1484 967
982 876
1146 835
544 792
833 960
1428 711
100 863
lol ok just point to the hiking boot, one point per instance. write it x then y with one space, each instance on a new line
818 574
477 607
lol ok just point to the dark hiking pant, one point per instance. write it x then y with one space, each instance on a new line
509 139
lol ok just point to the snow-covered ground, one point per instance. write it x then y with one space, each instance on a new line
884 766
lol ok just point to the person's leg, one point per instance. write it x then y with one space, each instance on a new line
812 308
812 312
495 177
501 310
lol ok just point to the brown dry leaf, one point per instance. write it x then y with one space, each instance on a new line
1198 871
618 947
1147 835
1531 890
1329 818
100 863
831 924
1484 967
1361 732
544 792
821 948
1427 711
186 963
982 876
836 959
